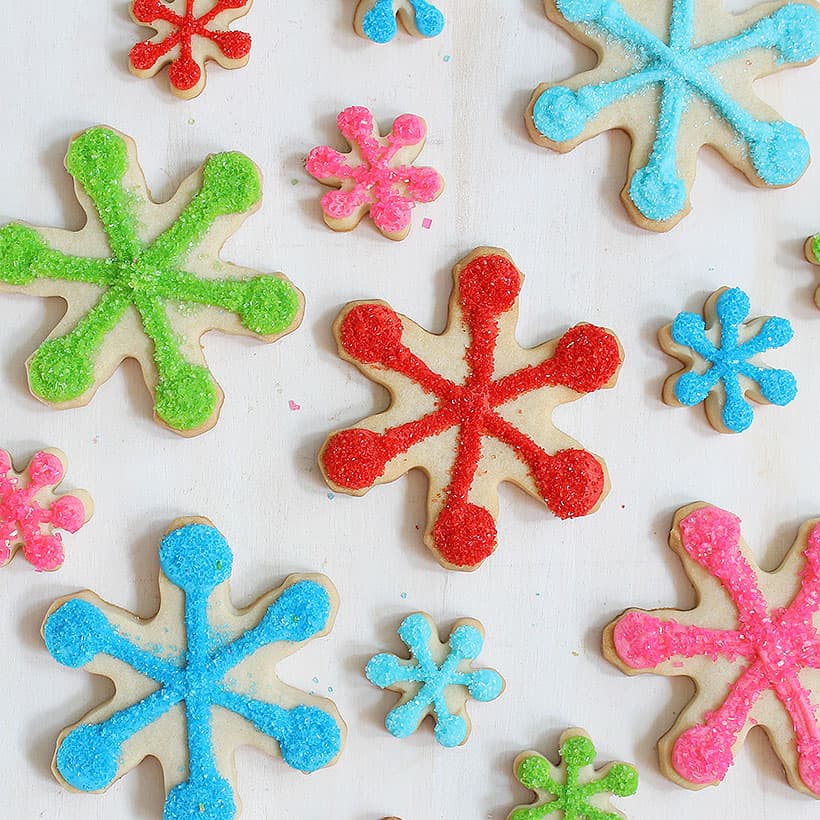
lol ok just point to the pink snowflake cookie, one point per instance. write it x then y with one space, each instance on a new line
751 645
377 175
30 510
189 34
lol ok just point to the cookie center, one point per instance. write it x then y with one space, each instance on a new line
472 403
780 648
138 276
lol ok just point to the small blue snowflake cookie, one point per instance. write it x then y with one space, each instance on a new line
196 681
376 19
438 679
720 352
677 75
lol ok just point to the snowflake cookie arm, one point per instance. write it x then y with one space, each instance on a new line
437 680
750 645
471 408
31 509
575 788
377 175
375 20
189 33
720 352
196 681
675 82
144 280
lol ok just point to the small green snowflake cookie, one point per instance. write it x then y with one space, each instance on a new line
575 789
144 280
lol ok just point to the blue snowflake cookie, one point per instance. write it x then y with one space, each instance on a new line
436 680
720 353
195 681
376 19
677 75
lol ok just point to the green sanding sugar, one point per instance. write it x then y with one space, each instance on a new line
148 278
815 247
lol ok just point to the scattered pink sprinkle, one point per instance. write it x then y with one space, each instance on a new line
293 405
427 223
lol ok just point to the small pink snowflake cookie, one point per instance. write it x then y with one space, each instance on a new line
751 646
189 33
377 175
31 510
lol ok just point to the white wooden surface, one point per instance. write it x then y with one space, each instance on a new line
552 585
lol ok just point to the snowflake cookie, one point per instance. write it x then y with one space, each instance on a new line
189 34
813 255
471 408
678 75
31 510
144 280
575 789
437 679
377 176
751 646
196 681
376 19
720 353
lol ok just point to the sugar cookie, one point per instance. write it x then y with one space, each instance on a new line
376 19
575 788
196 681
813 255
750 645
189 34
720 352
144 281
31 510
471 408
676 76
377 176
437 680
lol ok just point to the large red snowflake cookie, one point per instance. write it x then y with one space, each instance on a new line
471 408
751 645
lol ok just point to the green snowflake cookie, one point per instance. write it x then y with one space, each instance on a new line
144 280
575 789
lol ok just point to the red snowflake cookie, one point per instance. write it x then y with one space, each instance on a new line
471 408
189 34
377 176
30 510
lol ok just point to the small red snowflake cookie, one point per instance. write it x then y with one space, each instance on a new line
471 408
189 34
377 175
31 510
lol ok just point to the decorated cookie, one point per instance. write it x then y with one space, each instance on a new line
377 176
196 681
575 788
471 408
750 645
189 33
676 76
720 352
438 679
376 19
145 281
31 510
813 255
